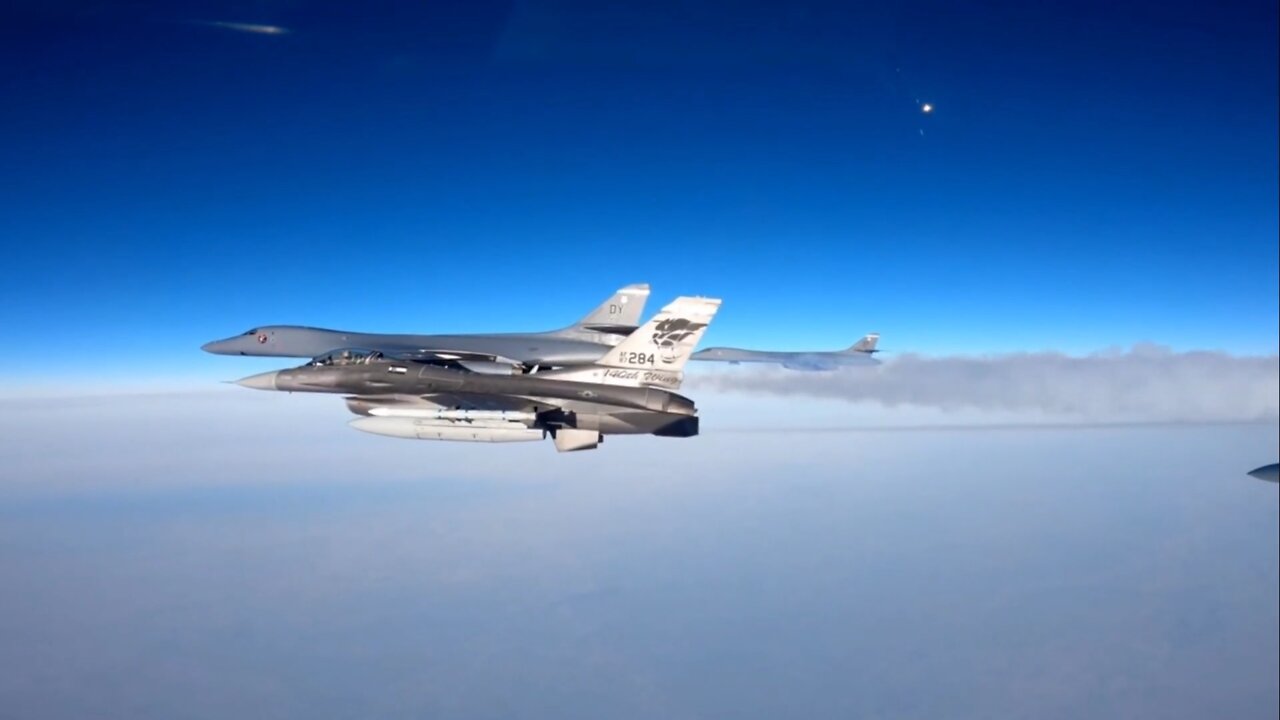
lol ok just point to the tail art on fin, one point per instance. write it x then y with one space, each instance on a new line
667 340
867 344
622 310
655 354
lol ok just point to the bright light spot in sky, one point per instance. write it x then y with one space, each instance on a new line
926 108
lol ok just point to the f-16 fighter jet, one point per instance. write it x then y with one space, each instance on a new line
627 391
583 342
859 354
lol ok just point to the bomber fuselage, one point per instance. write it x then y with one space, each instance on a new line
557 348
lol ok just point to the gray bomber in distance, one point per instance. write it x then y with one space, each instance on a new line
583 342
627 391
1270 473
860 353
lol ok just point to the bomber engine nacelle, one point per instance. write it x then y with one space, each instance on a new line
809 365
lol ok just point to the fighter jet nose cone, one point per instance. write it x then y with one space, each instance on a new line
208 347
261 381
1270 473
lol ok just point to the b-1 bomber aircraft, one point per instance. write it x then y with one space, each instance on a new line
583 342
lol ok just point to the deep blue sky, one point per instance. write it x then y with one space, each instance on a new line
1094 174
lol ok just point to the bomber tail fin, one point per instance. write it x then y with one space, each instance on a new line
867 345
622 311
655 354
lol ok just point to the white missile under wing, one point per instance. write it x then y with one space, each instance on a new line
859 354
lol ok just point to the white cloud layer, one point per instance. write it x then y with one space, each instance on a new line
249 550
1145 383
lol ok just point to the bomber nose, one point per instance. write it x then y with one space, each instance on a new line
261 381
210 346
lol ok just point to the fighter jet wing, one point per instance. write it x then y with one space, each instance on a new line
439 354
473 361
445 401
473 401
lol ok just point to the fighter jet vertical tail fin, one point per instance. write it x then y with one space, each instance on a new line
668 339
866 345
655 354
622 310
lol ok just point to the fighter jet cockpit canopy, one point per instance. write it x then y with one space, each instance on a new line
346 356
